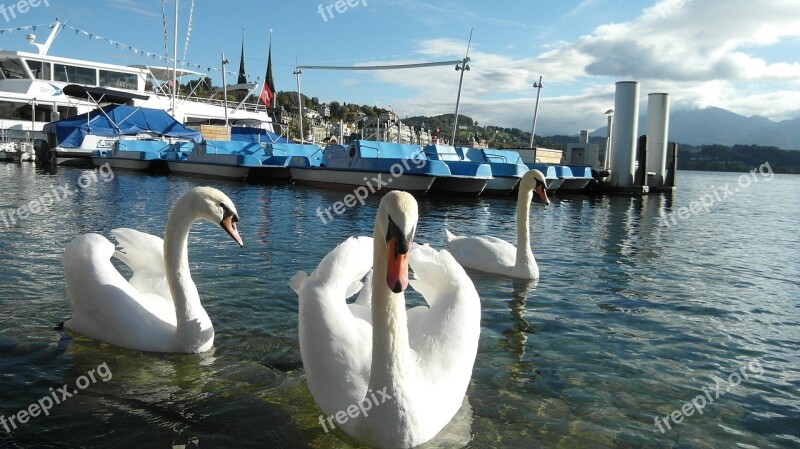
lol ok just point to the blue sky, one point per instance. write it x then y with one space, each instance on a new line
738 55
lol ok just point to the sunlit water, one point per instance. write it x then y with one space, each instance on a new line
631 320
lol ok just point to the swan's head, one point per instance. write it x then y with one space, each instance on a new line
534 180
395 226
212 205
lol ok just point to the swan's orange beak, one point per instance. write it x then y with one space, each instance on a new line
542 193
398 246
229 225
397 265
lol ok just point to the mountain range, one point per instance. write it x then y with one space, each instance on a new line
713 125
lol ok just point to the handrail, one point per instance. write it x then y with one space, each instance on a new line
499 156
377 150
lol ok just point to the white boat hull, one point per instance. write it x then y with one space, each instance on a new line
501 186
346 179
122 163
459 185
234 172
573 184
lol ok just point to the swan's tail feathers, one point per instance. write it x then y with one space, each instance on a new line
365 295
298 281
435 272
449 235
138 250
345 264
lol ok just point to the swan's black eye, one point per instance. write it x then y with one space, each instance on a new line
227 212
401 242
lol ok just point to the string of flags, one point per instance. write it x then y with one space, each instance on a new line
123 46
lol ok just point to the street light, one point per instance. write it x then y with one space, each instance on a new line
462 67
297 73
224 90
538 86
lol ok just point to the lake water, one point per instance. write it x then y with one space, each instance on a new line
634 318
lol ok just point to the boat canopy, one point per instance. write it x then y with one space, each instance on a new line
259 135
101 95
165 73
118 120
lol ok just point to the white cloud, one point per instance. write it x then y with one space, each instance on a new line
702 52
133 6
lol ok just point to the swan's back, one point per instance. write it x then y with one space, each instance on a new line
484 253
335 345
444 335
105 306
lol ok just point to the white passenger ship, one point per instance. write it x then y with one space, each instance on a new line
31 91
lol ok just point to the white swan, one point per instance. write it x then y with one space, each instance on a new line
494 255
159 309
388 376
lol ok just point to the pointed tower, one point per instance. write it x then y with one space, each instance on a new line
242 73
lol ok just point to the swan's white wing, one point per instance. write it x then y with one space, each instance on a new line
335 345
445 335
364 297
144 254
483 253
106 307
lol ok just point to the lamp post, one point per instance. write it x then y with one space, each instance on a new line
610 114
224 90
462 67
297 73
538 86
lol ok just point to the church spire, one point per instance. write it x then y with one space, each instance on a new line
242 74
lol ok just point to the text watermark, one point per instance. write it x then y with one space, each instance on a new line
361 193
710 394
717 195
10 12
57 194
341 7
354 410
57 396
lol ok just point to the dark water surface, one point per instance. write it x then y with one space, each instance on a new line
633 319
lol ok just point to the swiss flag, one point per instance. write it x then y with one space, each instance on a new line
268 91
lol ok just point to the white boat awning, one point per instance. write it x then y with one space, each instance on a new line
165 73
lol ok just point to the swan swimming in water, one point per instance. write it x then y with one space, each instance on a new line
497 256
388 376
159 309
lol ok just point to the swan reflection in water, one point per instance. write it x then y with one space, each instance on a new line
521 370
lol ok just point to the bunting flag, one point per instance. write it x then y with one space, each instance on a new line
268 91
122 46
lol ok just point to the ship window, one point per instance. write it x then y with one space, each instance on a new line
40 69
12 68
118 79
75 74
67 112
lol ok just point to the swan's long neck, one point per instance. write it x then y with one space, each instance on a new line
391 353
190 315
525 262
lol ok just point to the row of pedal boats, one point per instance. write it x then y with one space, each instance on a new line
375 165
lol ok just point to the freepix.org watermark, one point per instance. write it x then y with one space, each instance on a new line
361 193
57 194
57 396
9 12
718 195
341 7
710 394
354 410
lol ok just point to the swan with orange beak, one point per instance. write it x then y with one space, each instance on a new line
416 362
